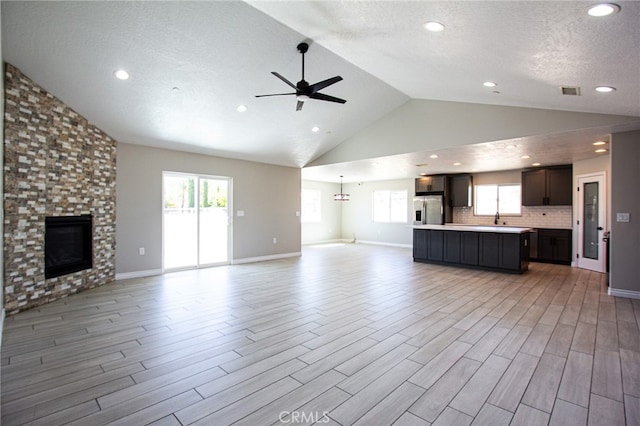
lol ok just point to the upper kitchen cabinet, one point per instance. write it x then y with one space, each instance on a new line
429 184
461 190
547 187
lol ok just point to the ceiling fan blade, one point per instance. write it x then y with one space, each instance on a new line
323 97
299 106
321 85
275 94
284 79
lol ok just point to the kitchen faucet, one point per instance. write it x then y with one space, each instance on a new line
496 218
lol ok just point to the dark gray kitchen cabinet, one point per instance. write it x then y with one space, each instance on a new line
506 252
488 250
420 243
436 245
554 246
547 187
430 184
469 248
452 247
461 191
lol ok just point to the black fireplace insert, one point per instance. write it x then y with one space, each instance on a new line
68 245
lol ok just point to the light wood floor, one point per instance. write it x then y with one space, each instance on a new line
347 334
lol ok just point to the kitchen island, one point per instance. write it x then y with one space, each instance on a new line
496 248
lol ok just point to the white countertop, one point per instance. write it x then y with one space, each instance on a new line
476 228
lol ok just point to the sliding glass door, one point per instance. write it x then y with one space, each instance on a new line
195 220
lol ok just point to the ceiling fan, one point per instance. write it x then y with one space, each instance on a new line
305 91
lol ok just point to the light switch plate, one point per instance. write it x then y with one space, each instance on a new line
240 213
622 217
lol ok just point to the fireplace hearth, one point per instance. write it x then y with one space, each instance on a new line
68 245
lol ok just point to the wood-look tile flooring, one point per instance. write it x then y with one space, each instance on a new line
346 334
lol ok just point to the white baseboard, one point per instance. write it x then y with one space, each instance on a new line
138 274
265 258
1 325
334 241
624 293
378 243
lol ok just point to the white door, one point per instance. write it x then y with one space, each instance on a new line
195 220
591 221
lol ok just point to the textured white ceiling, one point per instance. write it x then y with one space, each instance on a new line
220 54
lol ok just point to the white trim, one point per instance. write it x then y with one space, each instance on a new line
578 235
380 243
631 294
1 325
333 241
138 274
265 258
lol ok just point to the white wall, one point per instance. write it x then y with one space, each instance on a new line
330 227
422 125
357 214
268 194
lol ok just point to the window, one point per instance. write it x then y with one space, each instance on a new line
311 206
497 198
390 206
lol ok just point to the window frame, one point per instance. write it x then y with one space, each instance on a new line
497 187
390 214
317 199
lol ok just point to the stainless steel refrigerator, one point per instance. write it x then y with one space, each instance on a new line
429 209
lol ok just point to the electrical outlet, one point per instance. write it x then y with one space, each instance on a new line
622 217
275 240
141 251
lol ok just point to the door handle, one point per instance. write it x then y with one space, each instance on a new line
600 228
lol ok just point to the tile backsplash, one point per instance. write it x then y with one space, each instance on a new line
558 217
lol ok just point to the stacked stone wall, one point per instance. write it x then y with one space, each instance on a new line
56 163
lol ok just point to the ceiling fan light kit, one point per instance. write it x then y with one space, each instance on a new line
305 91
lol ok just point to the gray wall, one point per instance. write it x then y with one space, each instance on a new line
625 198
330 226
357 214
269 196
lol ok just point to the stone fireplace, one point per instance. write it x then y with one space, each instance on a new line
56 165
68 245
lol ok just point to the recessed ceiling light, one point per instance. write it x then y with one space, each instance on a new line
536 164
433 156
242 108
525 157
315 129
600 150
175 89
489 84
605 89
433 26
603 9
457 164
121 74
599 143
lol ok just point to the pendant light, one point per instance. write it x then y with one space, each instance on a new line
341 196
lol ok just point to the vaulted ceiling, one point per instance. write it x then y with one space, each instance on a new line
191 65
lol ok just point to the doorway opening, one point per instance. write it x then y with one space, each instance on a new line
591 221
195 220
